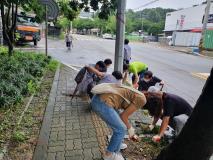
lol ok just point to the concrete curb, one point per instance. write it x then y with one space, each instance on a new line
42 144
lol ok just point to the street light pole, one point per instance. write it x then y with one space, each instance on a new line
120 34
205 23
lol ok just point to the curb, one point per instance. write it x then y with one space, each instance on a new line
40 151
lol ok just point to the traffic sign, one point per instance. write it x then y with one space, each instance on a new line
52 9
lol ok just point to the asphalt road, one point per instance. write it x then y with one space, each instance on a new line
173 67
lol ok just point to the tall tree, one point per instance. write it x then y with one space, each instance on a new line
195 142
9 9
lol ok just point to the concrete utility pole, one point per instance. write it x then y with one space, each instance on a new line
1 31
46 30
205 23
120 35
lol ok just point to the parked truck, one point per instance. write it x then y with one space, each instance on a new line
27 30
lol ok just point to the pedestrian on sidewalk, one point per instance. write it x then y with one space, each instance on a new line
127 52
172 109
149 80
138 69
108 99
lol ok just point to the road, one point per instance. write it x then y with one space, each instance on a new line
175 68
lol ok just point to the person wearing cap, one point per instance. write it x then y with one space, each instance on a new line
149 80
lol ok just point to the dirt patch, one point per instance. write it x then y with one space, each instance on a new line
145 149
21 140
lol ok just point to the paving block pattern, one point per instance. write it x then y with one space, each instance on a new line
70 130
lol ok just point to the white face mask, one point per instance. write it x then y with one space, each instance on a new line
146 80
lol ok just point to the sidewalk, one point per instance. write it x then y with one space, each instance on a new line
70 130
187 50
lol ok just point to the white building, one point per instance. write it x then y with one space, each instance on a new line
188 20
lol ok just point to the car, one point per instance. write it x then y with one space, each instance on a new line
107 36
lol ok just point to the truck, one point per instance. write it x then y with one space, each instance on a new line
27 30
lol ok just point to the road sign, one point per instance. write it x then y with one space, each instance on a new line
52 9
51 13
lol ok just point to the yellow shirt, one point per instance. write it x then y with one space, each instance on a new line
137 67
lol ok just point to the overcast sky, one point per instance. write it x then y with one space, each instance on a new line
176 4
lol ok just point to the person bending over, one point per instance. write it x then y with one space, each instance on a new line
109 99
149 80
138 69
115 77
172 109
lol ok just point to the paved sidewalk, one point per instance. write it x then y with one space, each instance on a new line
70 130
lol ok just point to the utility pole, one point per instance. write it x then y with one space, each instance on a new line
1 31
205 23
120 34
46 30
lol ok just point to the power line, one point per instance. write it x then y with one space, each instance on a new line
144 5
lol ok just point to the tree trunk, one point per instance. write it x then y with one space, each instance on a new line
195 142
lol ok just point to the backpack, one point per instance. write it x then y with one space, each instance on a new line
80 75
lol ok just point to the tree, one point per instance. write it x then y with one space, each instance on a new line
9 10
195 142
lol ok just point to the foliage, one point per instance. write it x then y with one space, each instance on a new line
105 7
149 20
9 10
52 66
20 74
18 136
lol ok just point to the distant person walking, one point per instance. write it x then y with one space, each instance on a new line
127 52
68 40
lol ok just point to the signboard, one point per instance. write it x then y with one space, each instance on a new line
52 9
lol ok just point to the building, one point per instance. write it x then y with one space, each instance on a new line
184 27
188 20
86 15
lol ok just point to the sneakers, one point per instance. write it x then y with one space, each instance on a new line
114 156
123 145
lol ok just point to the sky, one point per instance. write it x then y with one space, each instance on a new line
176 4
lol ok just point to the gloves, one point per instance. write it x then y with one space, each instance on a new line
131 132
156 138
135 86
151 127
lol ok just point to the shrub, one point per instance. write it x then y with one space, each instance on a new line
20 73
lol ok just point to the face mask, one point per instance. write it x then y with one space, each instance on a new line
146 80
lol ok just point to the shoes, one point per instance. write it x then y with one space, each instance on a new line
114 156
123 145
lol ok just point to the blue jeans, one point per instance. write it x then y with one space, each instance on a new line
112 119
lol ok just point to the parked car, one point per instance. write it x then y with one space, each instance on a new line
107 36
